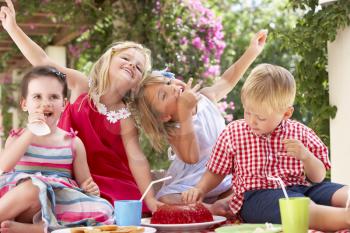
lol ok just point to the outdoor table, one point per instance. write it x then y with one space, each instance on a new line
228 223
212 230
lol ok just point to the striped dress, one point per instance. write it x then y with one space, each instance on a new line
63 203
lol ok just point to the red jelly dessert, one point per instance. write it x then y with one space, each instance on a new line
181 214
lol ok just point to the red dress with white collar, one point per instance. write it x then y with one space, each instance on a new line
105 151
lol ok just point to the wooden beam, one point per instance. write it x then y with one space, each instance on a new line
31 31
38 24
20 63
6 42
42 24
5 49
17 56
66 38
43 14
38 31
35 19
5 45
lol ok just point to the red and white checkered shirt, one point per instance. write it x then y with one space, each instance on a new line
251 158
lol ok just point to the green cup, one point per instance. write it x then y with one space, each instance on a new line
295 214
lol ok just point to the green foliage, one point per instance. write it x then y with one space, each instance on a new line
309 40
169 28
71 13
75 15
180 35
7 102
183 36
89 47
4 59
241 20
156 159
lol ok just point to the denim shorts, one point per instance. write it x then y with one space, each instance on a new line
260 206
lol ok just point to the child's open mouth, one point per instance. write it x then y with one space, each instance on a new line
129 72
48 114
181 90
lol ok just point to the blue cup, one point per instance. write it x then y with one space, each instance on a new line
127 212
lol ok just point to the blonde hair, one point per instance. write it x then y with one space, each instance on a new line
270 87
98 78
147 117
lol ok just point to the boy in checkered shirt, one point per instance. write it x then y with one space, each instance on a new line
267 143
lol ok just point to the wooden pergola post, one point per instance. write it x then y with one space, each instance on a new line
58 54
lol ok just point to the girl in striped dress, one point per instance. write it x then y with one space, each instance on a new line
46 179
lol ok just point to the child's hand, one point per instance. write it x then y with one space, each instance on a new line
296 149
178 82
153 204
188 99
36 116
258 41
222 207
8 15
192 195
90 187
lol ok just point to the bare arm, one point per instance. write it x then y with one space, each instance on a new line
184 140
15 147
314 168
208 182
77 82
80 165
138 162
233 74
81 169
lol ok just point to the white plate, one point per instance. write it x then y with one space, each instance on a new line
183 227
251 228
67 230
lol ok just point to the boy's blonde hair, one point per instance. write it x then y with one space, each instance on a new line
270 87
147 117
98 78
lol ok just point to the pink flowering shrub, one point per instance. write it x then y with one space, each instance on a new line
192 37
183 35
188 38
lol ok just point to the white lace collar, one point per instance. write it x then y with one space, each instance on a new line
112 116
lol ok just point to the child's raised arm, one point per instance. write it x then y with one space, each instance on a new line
233 74
77 82
81 169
